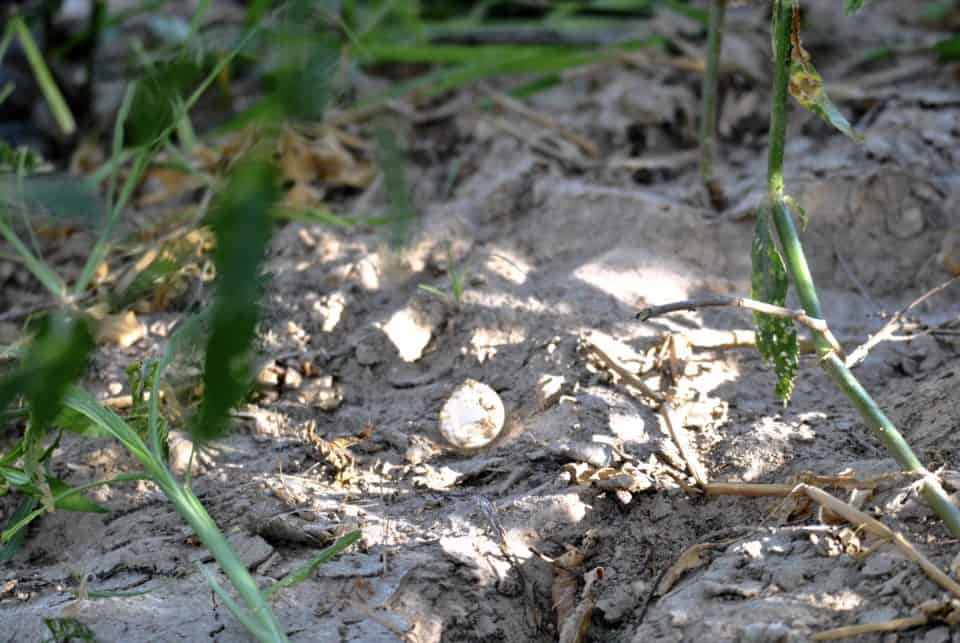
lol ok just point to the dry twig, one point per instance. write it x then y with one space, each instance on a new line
665 407
893 625
856 517
799 316
886 333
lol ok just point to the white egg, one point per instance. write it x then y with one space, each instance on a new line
472 417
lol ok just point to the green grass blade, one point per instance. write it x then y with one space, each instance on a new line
50 280
304 572
6 39
329 218
58 106
6 90
68 630
145 154
113 425
111 165
455 54
123 115
241 614
98 594
140 163
188 333
187 506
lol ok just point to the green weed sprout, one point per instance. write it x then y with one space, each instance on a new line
457 284
775 339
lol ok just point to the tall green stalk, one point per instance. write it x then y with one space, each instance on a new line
708 112
799 271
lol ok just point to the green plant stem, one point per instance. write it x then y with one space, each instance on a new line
188 506
708 113
780 25
799 271
797 268
259 618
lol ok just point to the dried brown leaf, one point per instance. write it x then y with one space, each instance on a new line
123 330
693 557
574 627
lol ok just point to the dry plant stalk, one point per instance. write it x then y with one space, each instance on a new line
860 353
817 325
893 625
665 406
849 513
856 517
575 625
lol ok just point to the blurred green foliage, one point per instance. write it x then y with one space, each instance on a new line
53 360
241 221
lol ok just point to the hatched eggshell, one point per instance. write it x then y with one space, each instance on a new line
472 417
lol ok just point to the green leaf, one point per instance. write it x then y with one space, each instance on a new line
81 402
949 49
70 420
153 110
15 452
13 544
303 572
806 86
776 336
18 159
56 357
64 630
153 275
241 222
304 86
801 213
57 196
64 496
15 477
854 6
61 496
64 499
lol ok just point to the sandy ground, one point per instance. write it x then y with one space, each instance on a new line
558 252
